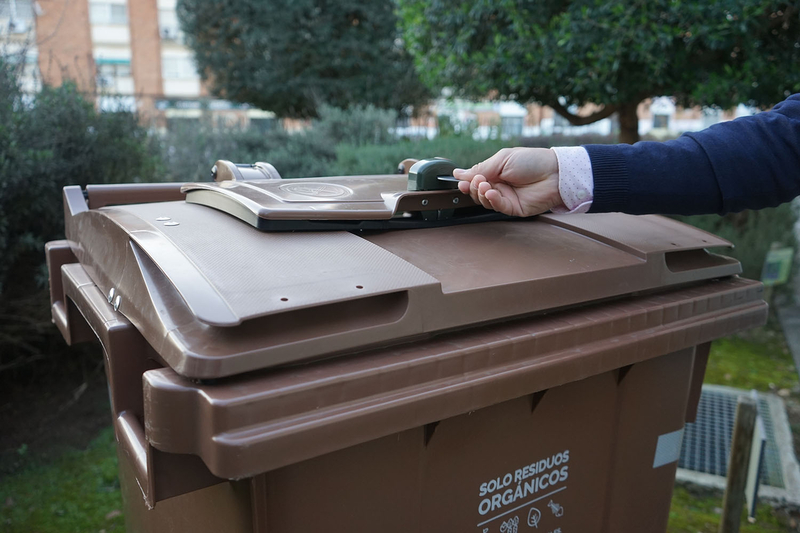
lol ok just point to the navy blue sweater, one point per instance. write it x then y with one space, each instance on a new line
748 163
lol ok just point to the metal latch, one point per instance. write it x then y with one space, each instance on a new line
432 175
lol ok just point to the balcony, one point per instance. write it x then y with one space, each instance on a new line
182 87
110 34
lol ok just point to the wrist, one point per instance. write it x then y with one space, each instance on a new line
555 201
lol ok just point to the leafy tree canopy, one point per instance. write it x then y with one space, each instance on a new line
291 57
614 54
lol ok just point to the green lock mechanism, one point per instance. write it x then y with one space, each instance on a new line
432 175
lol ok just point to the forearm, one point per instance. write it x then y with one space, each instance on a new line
749 163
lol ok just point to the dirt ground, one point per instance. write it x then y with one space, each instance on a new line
43 418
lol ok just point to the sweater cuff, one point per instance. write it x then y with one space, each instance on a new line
611 180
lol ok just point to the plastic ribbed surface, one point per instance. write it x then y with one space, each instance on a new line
260 273
270 420
502 254
650 234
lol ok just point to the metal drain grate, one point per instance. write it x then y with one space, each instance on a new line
707 441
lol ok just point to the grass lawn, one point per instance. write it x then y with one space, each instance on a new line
758 359
79 491
76 493
693 512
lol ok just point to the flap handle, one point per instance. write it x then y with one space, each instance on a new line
225 170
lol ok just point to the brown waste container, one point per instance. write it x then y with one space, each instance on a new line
531 375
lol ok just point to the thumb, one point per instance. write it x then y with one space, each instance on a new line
489 168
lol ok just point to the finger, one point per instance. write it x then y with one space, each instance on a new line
466 174
511 202
483 188
464 186
473 187
489 168
499 202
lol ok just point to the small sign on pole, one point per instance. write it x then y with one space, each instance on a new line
777 266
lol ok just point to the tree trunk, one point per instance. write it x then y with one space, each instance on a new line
628 123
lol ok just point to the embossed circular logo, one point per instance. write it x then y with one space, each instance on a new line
317 190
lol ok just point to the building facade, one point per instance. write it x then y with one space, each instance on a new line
125 53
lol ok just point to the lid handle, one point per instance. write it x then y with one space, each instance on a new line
225 170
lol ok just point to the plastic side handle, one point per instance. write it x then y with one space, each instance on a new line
132 193
133 443
72 326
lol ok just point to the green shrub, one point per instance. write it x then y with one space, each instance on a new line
358 125
47 141
355 160
463 150
54 139
189 153
449 126
751 232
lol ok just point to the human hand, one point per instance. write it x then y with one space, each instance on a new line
515 181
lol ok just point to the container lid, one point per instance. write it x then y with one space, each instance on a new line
426 196
325 204
216 297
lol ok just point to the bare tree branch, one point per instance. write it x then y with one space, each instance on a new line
576 120
5 338
21 361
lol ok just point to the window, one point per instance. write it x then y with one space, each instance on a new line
17 9
511 126
263 125
168 17
116 104
114 70
101 13
178 68
19 14
560 123
179 124
110 72
660 121
168 25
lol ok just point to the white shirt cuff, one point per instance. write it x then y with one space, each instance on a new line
575 181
